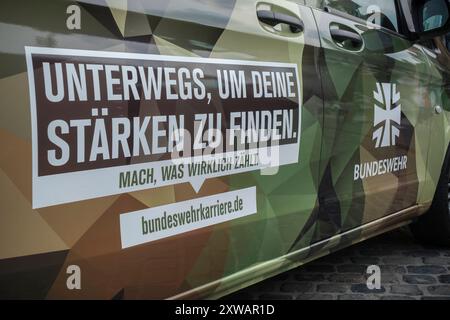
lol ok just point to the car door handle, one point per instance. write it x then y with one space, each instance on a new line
340 35
273 18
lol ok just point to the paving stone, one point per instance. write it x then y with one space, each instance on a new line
335 259
314 296
303 276
402 260
365 260
320 268
422 253
352 297
441 290
406 289
427 269
297 287
275 296
390 278
437 260
445 278
243 296
433 247
346 278
352 268
362 288
394 269
332 287
419 279
265 286
376 252
397 298
399 248
408 271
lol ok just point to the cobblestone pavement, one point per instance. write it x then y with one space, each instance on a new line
409 270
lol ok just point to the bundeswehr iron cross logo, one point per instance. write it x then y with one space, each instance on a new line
387 112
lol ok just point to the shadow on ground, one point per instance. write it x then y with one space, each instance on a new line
409 270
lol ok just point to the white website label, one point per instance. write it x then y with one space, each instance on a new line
152 224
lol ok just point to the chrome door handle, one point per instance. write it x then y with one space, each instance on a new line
273 18
340 35
438 109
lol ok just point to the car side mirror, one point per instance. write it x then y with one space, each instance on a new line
426 19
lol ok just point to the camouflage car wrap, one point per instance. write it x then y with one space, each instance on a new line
305 210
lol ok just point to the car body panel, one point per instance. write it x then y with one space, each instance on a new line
352 78
304 209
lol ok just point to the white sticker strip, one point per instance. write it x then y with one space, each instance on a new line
152 224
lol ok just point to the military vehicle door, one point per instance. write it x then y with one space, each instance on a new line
375 141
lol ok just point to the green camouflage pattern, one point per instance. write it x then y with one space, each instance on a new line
304 211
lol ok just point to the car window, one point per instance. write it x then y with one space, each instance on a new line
379 12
